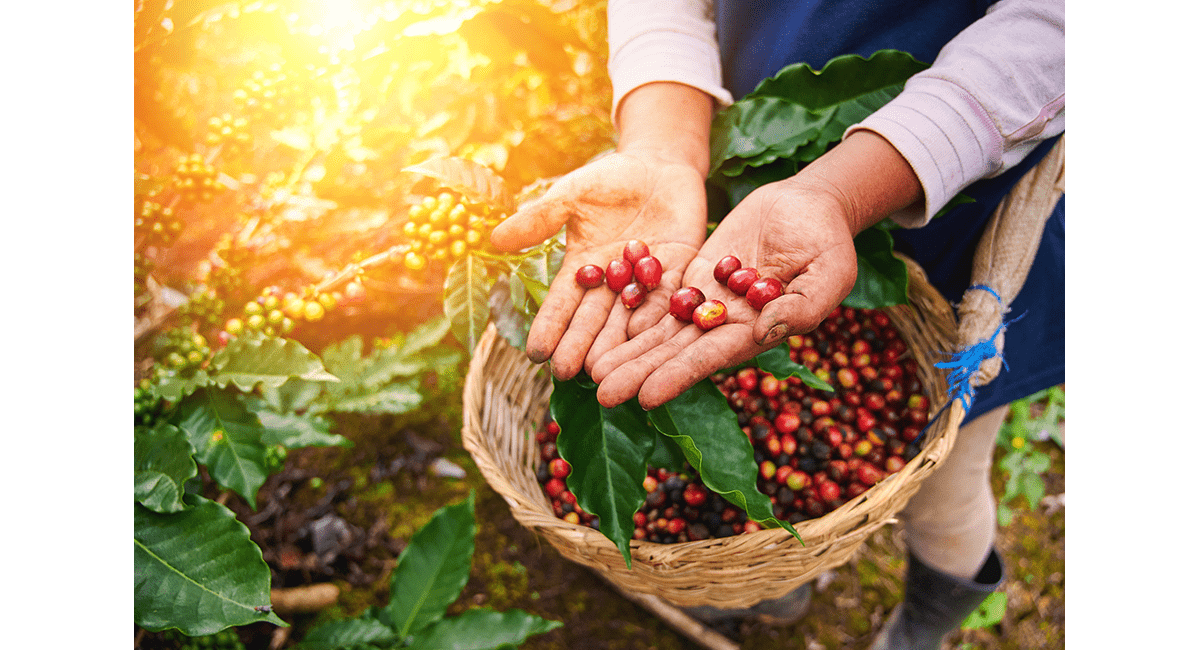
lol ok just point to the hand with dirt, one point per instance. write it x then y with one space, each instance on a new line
799 231
651 189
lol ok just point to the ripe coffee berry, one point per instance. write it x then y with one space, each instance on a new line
709 314
635 250
724 267
740 280
633 295
684 302
763 291
589 276
619 274
648 271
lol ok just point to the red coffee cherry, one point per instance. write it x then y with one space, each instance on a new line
763 291
740 280
684 302
648 271
709 314
635 250
724 267
589 276
633 295
619 274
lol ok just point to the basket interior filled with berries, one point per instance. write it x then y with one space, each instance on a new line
831 466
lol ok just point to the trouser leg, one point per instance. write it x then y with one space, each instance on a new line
950 523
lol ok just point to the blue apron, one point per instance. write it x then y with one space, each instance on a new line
758 37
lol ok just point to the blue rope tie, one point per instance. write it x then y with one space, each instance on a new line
964 364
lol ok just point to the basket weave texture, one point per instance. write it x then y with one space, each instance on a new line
505 399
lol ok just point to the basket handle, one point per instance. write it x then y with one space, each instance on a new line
1005 253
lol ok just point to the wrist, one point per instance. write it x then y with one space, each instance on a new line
867 178
668 121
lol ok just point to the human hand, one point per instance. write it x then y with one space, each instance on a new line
789 230
639 194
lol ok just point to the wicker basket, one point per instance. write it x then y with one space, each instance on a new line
505 398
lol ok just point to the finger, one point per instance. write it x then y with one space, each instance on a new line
673 374
808 298
613 334
625 380
635 347
589 318
532 224
553 317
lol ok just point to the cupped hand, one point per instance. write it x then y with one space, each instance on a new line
795 233
642 195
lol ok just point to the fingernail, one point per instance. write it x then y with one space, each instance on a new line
775 334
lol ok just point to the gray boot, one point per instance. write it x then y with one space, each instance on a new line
935 604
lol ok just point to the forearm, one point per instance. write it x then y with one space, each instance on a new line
865 177
670 120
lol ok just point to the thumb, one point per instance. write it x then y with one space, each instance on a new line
530 225
806 300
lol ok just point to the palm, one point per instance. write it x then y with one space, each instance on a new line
604 205
783 234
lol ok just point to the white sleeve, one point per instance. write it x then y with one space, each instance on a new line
993 94
659 40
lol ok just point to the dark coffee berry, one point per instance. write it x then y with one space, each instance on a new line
741 280
635 250
618 274
589 276
648 271
724 267
763 291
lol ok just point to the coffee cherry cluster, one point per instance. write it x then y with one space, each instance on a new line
275 313
815 449
155 224
204 306
691 306
633 275
183 351
195 179
446 227
269 96
230 133
147 408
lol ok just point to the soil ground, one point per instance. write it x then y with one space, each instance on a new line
358 505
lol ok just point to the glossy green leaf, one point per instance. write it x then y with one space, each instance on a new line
197 570
707 431
842 79
538 268
465 299
474 181
366 631
667 454
482 629
882 278
162 463
249 361
608 450
295 394
424 336
778 362
990 612
227 438
175 388
293 430
433 569
509 322
395 398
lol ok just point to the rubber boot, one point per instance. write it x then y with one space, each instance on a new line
935 604
785 610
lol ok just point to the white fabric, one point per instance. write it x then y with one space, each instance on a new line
994 92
